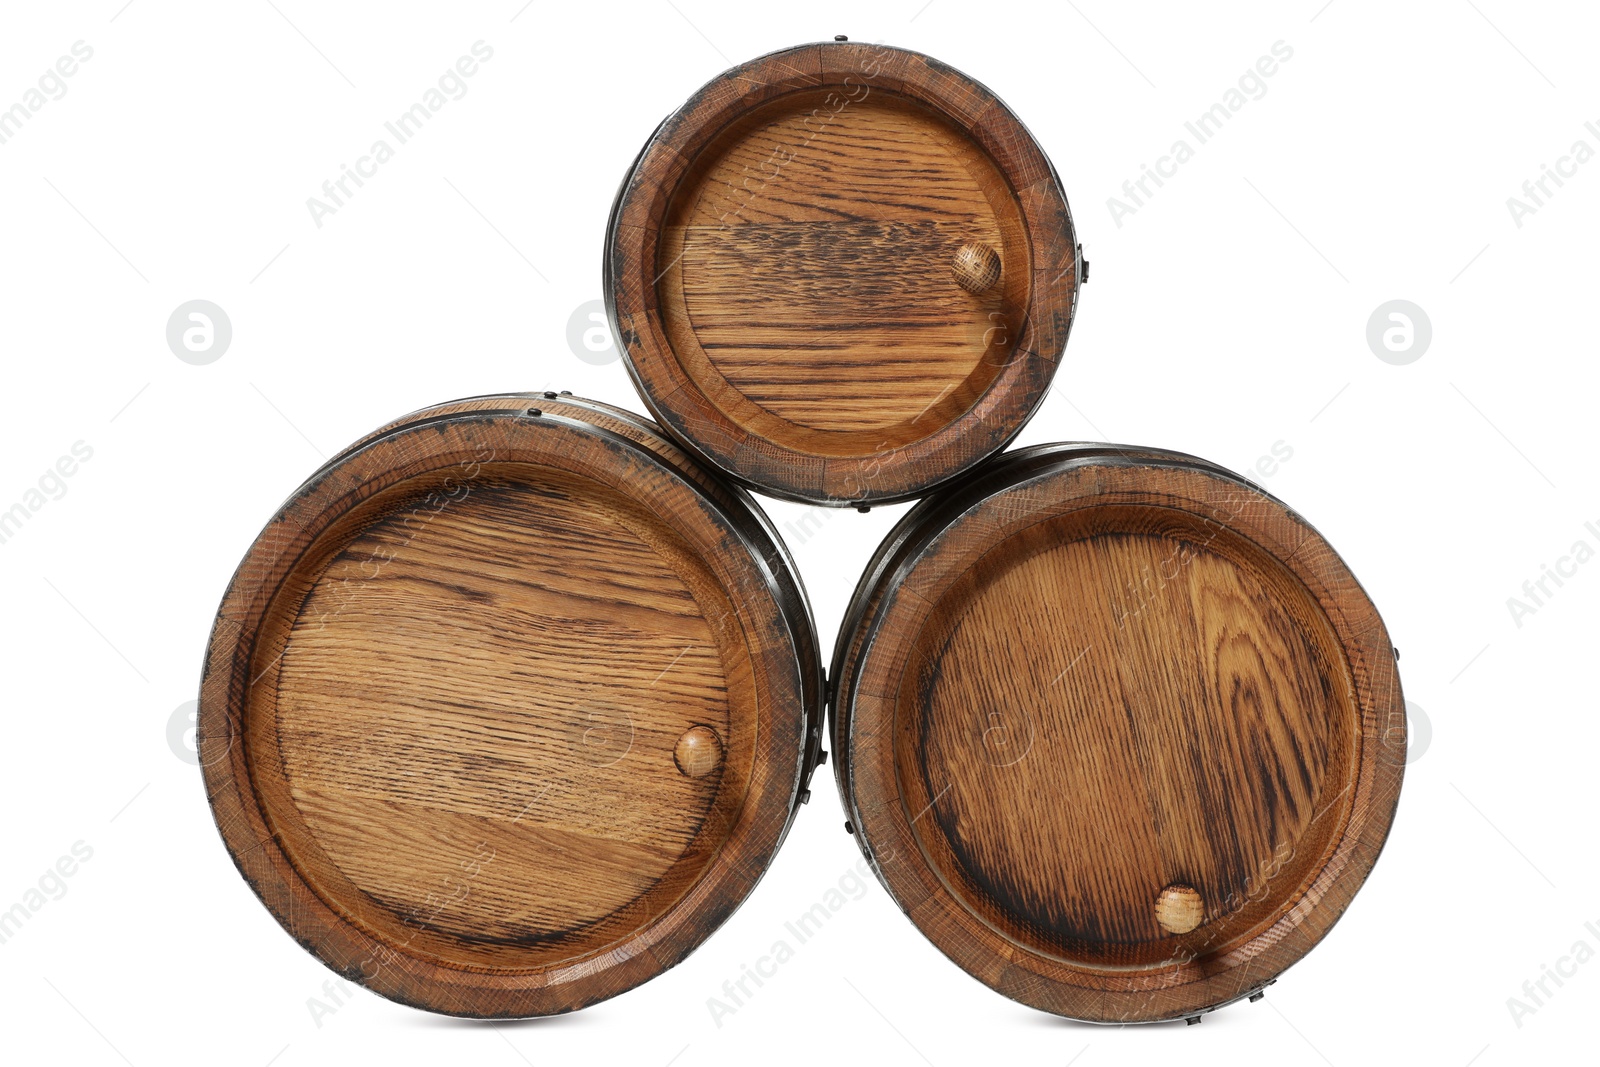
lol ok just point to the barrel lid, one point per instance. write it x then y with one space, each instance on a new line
842 272
1118 730
508 707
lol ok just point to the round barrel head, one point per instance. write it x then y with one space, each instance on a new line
1119 731
508 707
843 273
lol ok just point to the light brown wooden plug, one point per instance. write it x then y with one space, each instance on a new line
976 267
1179 909
698 751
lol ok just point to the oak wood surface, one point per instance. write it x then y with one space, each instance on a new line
508 707
1118 730
842 273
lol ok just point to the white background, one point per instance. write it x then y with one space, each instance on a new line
1226 315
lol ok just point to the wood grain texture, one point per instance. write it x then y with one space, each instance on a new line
785 271
444 710
1119 731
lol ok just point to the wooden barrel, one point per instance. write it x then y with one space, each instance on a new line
1118 730
509 706
842 273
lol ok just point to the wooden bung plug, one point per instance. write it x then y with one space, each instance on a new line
976 267
698 752
1179 909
